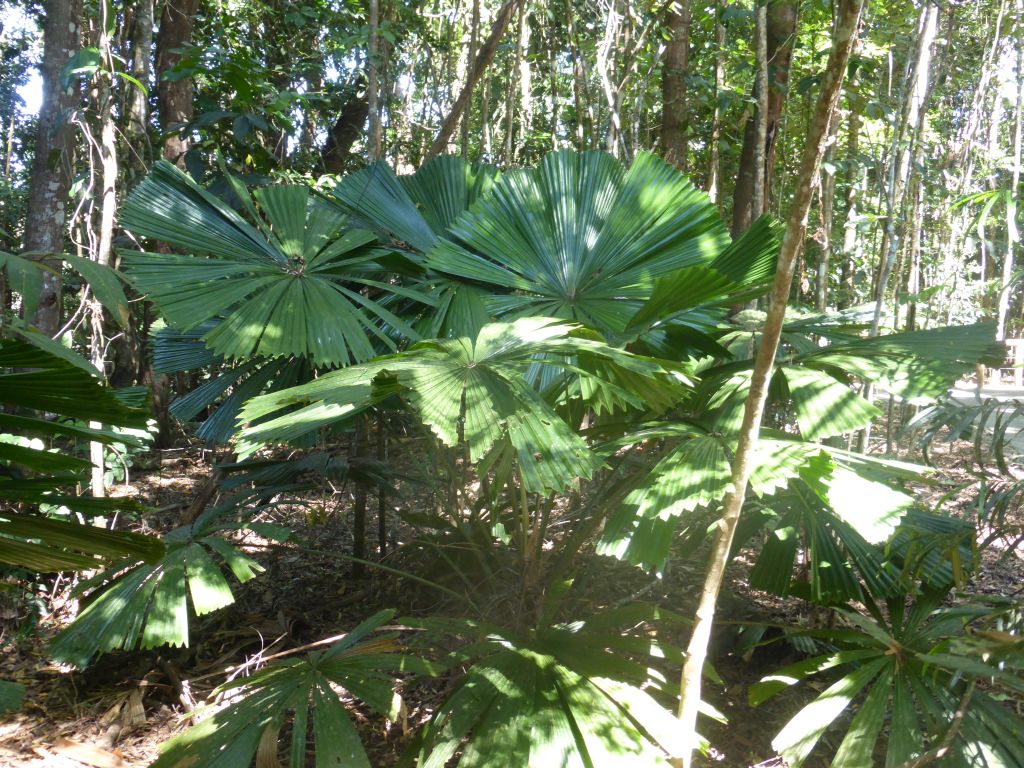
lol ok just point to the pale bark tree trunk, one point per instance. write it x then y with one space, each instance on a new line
52 166
855 179
716 113
136 101
174 97
373 83
781 24
848 19
483 60
585 131
105 156
605 56
905 136
1012 235
525 75
674 122
556 102
757 200
474 41
509 146
827 187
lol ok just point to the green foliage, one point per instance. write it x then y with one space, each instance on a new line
288 284
580 238
303 692
148 604
475 391
35 380
575 694
914 668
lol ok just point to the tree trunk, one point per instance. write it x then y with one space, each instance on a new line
343 134
848 19
474 41
1012 235
674 122
373 84
854 176
716 114
605 55
174 97
136 102
781 26
105 156
758 193
52 167
918 88
483 60
585 132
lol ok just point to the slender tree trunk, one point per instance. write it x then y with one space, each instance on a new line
605 56
757 201
483 60
716 113
106 157
828 194
474 40
1012 235
136 101
854 180
509 146
674 118
848 19
585 124
917 90
174 96
373 84
781 26
525 75
52 166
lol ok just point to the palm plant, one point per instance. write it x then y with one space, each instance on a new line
148 604
34 477
917 669
302 693
578 238
574 694
475 391
289 283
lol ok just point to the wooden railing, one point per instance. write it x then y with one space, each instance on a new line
1014 375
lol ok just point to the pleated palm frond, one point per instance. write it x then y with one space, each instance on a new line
473 391
843 503
818 383
915 669
301 693
25 277
290 284
230 384
573 695
33 380
412 212
148 605
917 366
580 238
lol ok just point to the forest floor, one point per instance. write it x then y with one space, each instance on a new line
116 713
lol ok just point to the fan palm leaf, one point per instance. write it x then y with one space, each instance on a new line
472 391
293 284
